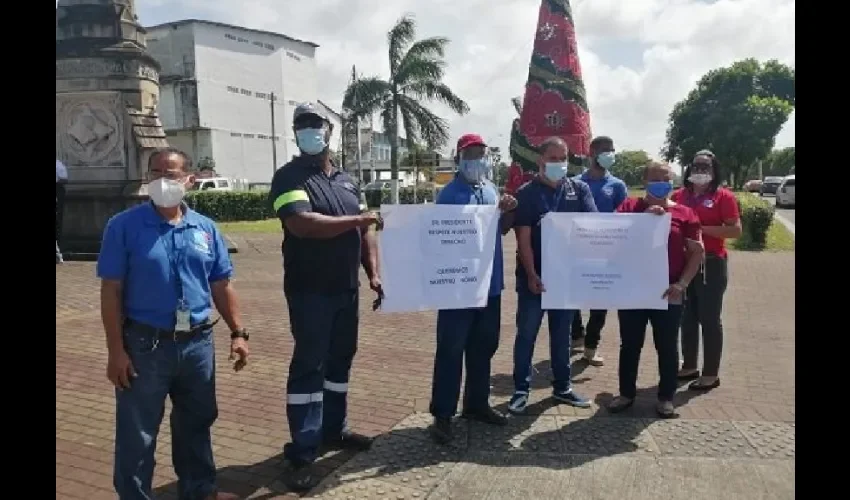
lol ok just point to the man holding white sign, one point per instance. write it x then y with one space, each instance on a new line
472 333
550 191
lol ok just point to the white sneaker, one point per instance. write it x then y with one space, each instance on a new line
592 358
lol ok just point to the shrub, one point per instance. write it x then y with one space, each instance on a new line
229 206
756 219
377 198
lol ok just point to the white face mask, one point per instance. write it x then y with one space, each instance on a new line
700 179
166 193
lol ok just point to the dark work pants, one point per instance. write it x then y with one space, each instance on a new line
592 333
324 328
665 329
473 335
703 307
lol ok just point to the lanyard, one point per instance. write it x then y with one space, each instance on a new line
175 257
478 192
552 202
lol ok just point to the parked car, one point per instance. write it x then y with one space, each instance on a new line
785 193
753 186
213 184
770 184
377 186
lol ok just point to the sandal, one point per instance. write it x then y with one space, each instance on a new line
696 385
619 404
688 374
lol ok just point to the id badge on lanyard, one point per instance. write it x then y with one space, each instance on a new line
564 190
182 315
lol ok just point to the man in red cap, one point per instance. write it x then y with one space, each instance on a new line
471 333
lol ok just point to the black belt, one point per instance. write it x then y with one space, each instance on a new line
174 334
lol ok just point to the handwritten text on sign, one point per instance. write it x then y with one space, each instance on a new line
437 256
604 261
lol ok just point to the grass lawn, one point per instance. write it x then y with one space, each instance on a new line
251 226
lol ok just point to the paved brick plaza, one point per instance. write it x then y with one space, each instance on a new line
752 412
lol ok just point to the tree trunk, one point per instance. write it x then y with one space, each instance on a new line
394 154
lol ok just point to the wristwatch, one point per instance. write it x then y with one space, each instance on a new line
239 334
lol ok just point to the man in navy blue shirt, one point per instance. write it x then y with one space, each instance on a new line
327 238
471 333
162 266
608 193
550 191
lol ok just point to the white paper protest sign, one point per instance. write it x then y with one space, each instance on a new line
437 256
604 261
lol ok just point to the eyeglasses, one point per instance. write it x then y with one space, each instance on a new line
172 175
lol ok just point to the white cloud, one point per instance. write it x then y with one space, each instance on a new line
639 57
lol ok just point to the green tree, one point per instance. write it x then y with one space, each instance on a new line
423 158
629 166
416 74
736 112
779 162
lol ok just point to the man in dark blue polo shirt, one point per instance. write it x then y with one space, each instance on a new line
550 191
326 239
608 193
162 266
471 333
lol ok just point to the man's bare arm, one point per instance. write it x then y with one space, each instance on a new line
224 298
526 254
313 225
369 252
111 313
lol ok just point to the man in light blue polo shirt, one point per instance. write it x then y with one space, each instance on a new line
471 333
608 193
162 266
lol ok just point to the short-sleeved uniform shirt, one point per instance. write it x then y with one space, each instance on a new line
712 208
461 192
608 191
684 225
159 263
313 265
536 199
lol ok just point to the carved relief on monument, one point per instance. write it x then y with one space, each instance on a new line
90 129
101 68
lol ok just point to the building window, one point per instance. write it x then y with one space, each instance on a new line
248 136
290 54
262 136
242 40
229 36
261 95
235 134
277 137
292 103
268 46
245 92
235 90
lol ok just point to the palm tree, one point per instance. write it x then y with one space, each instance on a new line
416 74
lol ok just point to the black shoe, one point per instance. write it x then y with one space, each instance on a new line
441 430
486 415
300 478
350 441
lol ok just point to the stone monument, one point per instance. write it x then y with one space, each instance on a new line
107 88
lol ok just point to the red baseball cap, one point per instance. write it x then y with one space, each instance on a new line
468 140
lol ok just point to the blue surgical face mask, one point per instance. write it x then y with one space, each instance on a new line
311 140
660 189
555 171
474 171
606 160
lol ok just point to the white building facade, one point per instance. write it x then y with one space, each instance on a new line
216 90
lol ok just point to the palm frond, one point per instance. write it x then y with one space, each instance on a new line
399 39
427 48
411 128
419 69
430 127
365 96
438 91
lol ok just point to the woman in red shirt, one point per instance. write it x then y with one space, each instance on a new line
684 253
718 213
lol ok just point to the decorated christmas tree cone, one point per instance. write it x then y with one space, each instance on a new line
555 103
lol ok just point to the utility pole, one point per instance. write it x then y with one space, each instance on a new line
274 138
358 153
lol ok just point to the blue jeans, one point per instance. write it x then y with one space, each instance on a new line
324 328
472 334
184 370
665 336
529 316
